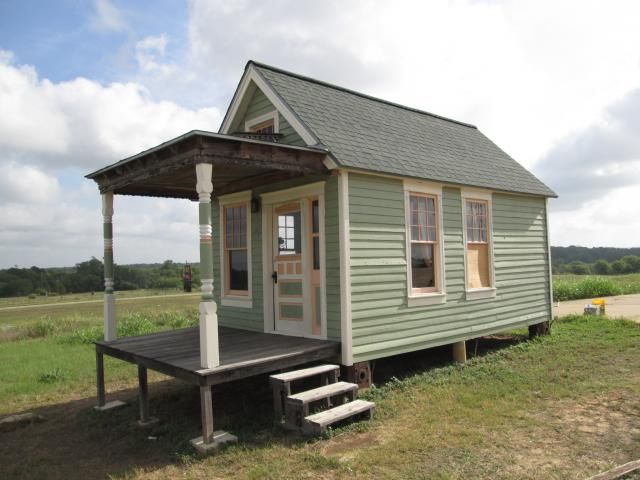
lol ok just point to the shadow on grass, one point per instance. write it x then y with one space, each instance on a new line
77 442
408 364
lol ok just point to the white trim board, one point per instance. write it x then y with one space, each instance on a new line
268 200
439 296
550 286
250 80
346 328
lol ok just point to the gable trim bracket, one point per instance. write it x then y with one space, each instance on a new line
250 75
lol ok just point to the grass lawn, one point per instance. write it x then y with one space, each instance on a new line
87 308
562 406
573 287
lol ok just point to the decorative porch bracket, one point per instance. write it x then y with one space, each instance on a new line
209 354
110 327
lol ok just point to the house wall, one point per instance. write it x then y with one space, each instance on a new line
253 318
259 105
384 325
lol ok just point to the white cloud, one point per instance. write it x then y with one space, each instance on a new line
46 225
107 17
598 159
76 126
609 220
525 76
540 78
84 124
25 184
150 52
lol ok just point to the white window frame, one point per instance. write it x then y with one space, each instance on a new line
273 115
227 299
469 194
440 295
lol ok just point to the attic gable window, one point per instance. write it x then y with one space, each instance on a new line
425 255
264 128
266 124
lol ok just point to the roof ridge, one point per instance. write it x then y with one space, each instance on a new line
354 92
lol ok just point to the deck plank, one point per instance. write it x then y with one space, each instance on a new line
242 353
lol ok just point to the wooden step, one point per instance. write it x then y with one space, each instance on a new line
296 406
326 391
288 377
317 423
281 384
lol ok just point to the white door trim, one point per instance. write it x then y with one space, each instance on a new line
268 201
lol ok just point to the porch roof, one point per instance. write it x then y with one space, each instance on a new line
167 170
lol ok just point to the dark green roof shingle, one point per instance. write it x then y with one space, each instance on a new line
366 133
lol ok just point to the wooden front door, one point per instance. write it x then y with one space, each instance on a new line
289 258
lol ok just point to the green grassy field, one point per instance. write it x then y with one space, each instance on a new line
561 406
82 297
573 287
87 309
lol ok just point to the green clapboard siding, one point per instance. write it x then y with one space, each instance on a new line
259 105
384 325
253 318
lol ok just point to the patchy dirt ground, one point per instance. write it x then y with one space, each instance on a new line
525 422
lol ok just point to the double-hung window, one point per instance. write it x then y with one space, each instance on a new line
477 229
235 249
425 276
423 243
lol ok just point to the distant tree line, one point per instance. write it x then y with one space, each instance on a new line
598 261
560 255
89 277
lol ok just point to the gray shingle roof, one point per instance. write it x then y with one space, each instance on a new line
367 133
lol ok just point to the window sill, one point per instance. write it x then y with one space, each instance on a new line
480 293
236 301
426 299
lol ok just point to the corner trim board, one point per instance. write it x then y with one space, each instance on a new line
346 329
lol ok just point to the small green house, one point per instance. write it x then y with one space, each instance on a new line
429 233
330 215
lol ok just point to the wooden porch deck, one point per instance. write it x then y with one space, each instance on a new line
242 353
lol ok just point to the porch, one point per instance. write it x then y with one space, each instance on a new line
242 354
202 166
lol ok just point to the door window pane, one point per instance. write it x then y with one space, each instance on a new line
315 214
316 253
289 234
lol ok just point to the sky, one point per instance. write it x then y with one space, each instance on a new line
83 84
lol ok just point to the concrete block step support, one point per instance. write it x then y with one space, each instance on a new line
317 423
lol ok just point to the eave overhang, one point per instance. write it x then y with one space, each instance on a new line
167 170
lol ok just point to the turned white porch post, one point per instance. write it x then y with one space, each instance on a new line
209 355
109 297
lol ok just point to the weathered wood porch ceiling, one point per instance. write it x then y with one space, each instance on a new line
168 170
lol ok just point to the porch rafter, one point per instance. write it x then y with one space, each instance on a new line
168 170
